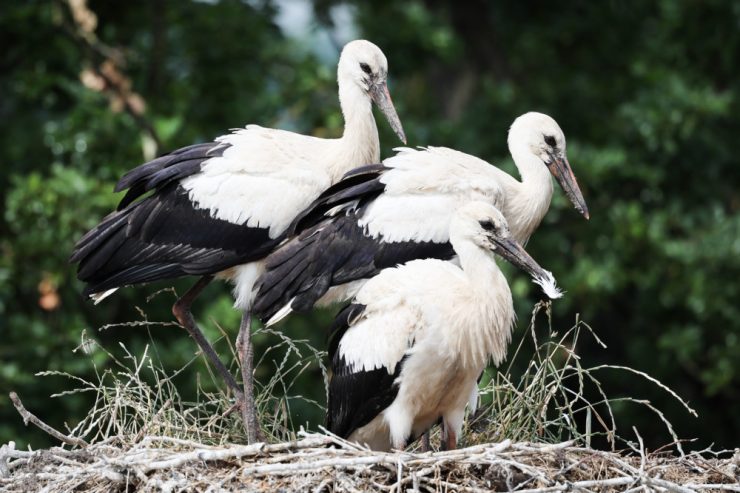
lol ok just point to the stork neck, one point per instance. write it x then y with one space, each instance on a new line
531 196
491 321
479 267
360 142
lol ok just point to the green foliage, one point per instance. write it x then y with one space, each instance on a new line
646 92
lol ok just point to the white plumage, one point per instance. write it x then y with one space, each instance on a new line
447 321
407 203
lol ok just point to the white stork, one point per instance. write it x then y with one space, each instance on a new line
409 348
216 209
383 215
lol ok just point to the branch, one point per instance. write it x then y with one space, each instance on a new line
5 451
29 417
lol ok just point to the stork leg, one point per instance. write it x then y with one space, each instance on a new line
426 438
426 444
246 356
449 437
181 311
451 440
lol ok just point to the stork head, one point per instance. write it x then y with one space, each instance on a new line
540 135
486 227
362 63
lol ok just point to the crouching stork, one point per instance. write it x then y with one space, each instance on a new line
216 209
410 347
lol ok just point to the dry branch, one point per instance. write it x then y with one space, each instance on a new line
33 419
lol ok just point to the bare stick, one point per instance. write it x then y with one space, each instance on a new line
4 456
28 417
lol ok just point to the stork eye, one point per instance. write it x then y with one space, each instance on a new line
488 225
366 68
550 140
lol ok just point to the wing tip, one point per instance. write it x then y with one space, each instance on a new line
281 314
98 297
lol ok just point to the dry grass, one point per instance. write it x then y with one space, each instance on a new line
140 435
136 397
552 400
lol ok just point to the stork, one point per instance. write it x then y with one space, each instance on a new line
409 348
216 209
382 215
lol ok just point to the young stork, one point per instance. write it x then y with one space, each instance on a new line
410 347
216 209
383 215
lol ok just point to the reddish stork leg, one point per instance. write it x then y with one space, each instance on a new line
181 311
246 356
449 437
426 445
451 440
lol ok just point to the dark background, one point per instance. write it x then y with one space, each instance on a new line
647 94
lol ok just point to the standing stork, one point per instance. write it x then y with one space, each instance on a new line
383 215
216 209
409 348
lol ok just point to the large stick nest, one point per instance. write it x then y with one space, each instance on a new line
326 463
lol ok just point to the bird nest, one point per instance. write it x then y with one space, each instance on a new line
319 462
140 435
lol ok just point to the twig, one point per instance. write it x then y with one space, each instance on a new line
4 457
641 450
206 455
722 487
29 417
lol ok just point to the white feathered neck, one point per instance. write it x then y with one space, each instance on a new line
359 142
485 319
526 201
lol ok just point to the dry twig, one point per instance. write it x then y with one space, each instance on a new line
28 417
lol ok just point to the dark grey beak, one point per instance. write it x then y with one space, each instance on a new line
512 252
560 169
380 96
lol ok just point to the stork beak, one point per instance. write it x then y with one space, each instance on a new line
560 169
512 252
380 96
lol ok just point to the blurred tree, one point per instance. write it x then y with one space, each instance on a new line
646 92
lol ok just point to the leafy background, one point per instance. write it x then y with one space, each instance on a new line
646 92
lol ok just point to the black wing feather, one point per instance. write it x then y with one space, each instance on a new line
335 251
164 236
362 184
355 398
171 167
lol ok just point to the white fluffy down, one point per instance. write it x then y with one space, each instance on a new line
548 285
